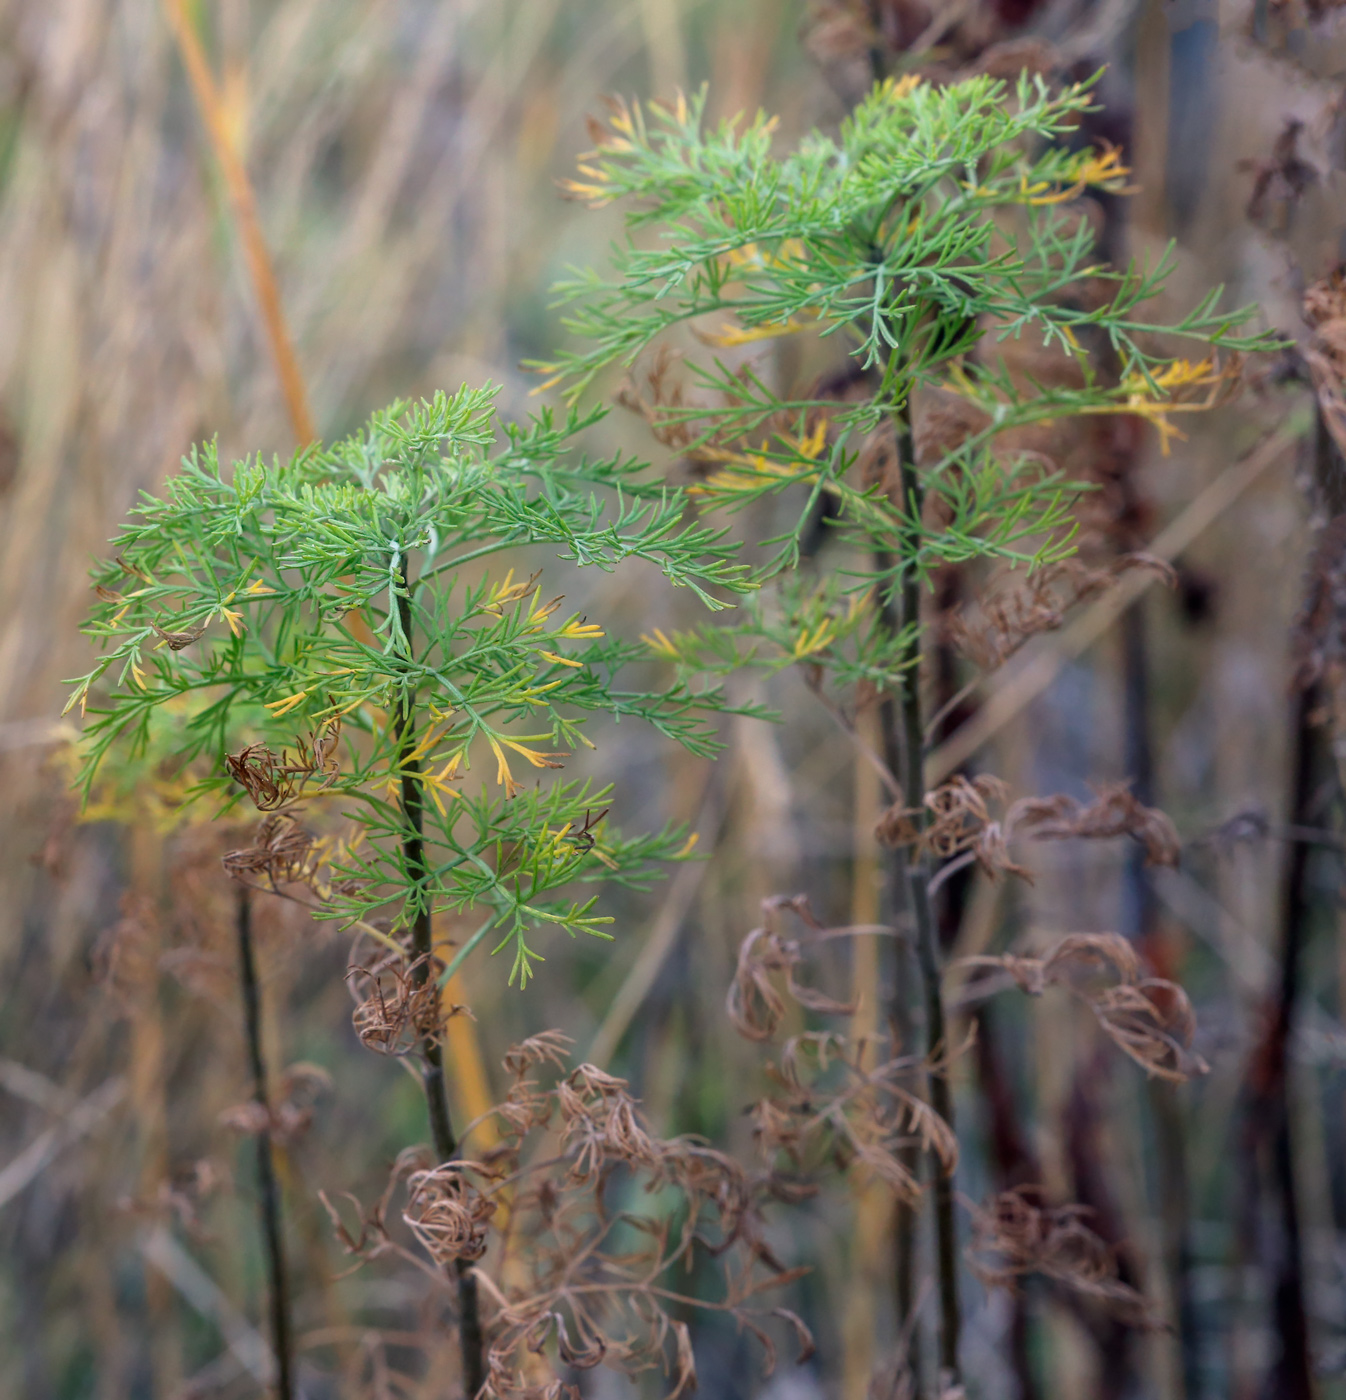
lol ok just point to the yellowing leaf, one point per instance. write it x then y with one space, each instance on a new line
577 629
437 784
747 335
816 440
503 776
816 640
1092 171
594 196
546 384
660 644
283 707
538 760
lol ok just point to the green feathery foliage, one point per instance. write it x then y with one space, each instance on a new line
320 631
940 218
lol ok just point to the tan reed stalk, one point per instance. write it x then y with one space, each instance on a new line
224 147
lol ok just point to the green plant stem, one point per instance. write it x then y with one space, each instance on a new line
927 947
432 1051
282 1335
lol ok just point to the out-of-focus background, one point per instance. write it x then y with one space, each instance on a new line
403 155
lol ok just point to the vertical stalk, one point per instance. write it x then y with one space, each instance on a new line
872 1202
904 1229
1269 1131
432 1051
918 893
1269 1117
1138 923
282 1336
1083 1124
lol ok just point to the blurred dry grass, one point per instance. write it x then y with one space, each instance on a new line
402 152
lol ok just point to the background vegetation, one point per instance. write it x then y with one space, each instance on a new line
403 156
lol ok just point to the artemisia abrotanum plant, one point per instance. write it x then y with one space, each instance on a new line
941 231
341 640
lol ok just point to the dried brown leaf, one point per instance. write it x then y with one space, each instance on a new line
1149 1019
754 1005
548 1047
684 1377
1014 1235
396 1009
283 852
1003 621
178 640
262 776
1279 182
952 821
447 1214
1115 811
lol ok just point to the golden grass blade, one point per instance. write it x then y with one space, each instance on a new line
219 130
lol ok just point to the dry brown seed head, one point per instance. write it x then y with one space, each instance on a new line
1015 1234
283 852
1149 1019
546 1047
262 775
1006 618
1115 811
447 1214
395 1010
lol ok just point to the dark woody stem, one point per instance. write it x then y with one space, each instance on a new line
911 747
268 1188
432 1051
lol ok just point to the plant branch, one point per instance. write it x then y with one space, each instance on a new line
848 727
282 1335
